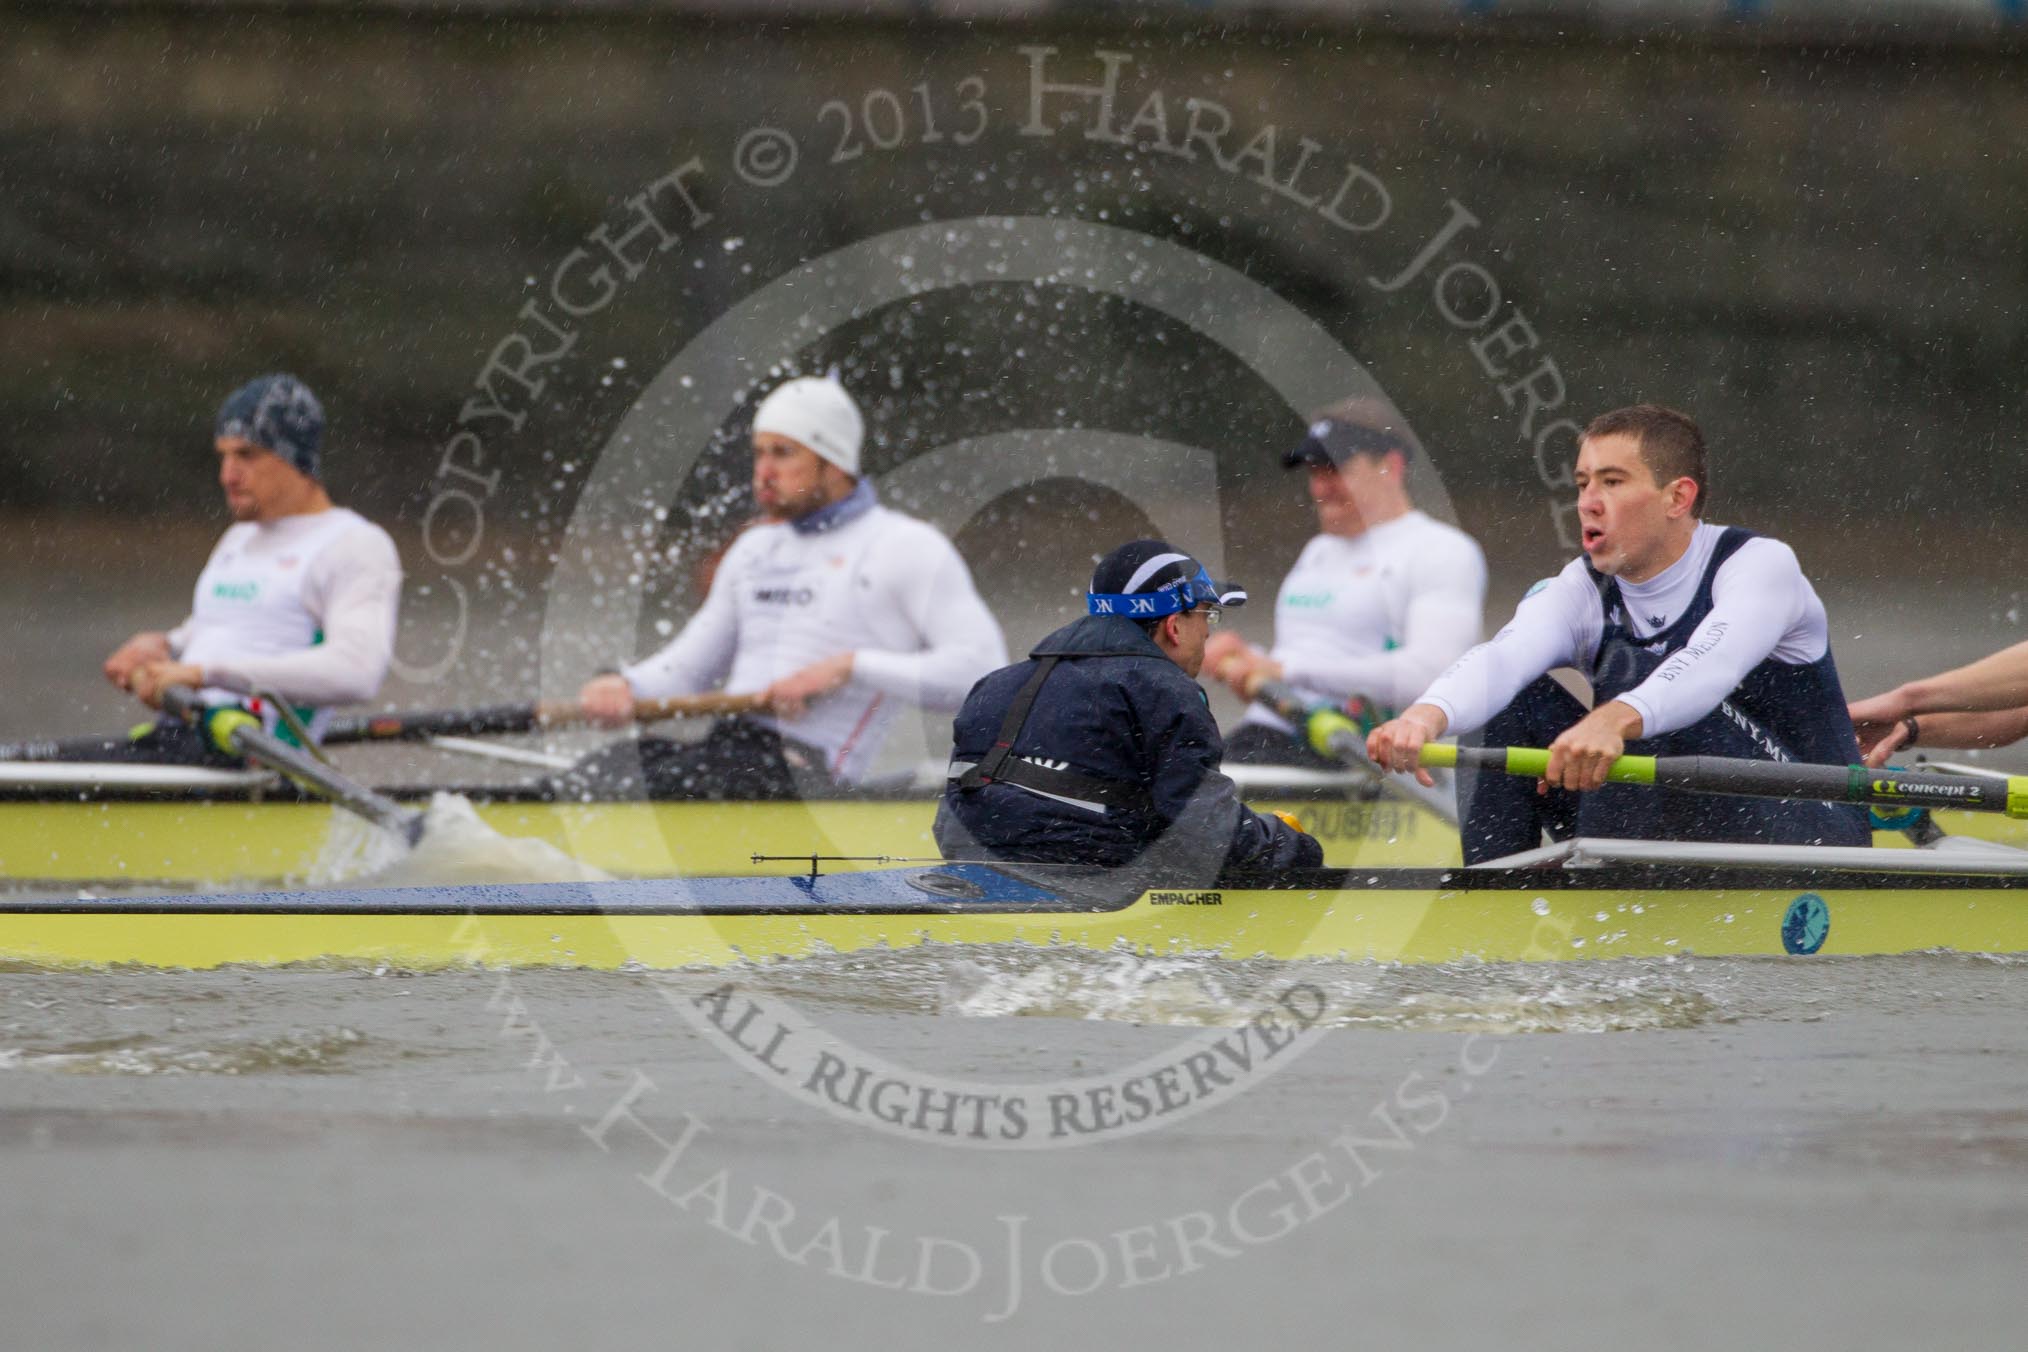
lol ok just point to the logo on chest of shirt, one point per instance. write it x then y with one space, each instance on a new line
235 591
784 596
1308 600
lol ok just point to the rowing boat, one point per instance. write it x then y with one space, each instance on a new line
1584 899
1574 899
171 827
64 827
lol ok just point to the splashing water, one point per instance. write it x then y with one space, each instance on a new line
456 847
1205 990
296 1051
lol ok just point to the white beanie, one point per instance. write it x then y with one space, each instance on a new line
817 412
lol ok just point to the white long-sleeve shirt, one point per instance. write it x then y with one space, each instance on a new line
1762 606
883 586
1379 614
304 606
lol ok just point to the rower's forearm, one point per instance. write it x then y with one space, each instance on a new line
935 678
1995 683
1972 731
1393 679
696 660
334 672
1626 719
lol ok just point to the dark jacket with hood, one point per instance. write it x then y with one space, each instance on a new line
1113 708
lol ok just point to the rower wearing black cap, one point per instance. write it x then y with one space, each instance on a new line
1380 601
1100 748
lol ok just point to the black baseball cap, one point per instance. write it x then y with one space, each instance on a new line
1330 442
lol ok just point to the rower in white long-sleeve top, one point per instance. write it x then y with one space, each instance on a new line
1380 601
1697 640
299 599
839 612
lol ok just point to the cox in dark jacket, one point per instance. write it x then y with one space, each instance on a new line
1118 756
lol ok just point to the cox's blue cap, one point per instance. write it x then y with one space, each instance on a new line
279 413
1147 579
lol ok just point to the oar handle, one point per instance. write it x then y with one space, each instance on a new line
237 732
1766 779
182 701
1528 761
1340 734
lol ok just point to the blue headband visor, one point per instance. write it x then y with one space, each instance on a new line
1174 598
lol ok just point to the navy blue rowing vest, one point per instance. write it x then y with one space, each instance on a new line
1781 712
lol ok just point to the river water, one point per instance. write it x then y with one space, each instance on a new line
1692 1154
1813 1154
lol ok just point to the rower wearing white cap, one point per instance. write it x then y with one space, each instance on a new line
837 611
298 600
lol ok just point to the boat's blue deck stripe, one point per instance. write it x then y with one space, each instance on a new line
889 891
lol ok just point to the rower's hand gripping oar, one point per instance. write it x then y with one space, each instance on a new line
1339 734
238 733
1767 779
500 719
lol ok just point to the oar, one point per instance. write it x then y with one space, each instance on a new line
1336 735
239 733
58 749
509 718
1767 779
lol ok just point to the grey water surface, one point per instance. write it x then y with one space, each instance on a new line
1685 1154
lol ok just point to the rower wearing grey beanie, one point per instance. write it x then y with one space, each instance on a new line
299 598
836 612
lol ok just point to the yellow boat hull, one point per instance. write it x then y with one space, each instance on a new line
193 843
1409 916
